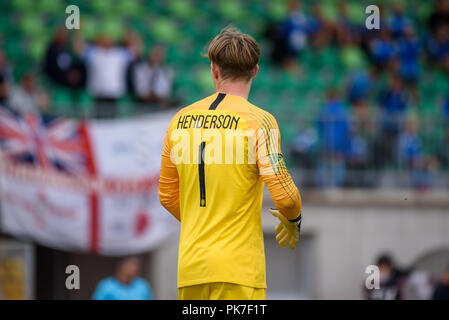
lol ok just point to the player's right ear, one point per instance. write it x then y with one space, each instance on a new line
256 69
215 71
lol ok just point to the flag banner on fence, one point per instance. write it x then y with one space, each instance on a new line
83 185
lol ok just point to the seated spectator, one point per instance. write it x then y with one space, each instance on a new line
294 33
413 158
393 103
106 65
360 83
152 80
59 64
333 128
28 97
125 285
409 146
439 16
399 21
344 27
318 28
382 50
357 158
441 291
409 50
438 46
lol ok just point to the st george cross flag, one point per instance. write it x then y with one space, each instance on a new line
83 185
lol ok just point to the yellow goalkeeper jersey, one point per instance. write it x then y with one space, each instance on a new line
217 155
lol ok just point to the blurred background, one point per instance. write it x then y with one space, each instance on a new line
364 118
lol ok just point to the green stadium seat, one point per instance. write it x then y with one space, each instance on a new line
23 6
183 9
51 6
165 30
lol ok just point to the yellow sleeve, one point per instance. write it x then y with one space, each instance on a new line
169 181
270 161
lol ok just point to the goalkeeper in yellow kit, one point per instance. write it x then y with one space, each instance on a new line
217 155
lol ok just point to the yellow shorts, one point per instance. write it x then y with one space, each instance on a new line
221 291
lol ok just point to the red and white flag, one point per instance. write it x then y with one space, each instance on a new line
83 185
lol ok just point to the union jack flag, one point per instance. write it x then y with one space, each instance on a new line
48 142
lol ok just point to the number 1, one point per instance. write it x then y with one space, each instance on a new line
201 175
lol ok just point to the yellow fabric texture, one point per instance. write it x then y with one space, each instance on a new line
221 291
221 236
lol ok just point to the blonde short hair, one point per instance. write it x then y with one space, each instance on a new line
235 53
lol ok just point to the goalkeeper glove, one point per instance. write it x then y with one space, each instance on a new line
287 231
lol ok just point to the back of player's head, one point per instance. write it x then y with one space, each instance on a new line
235 53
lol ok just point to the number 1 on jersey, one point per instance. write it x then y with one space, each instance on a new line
201 175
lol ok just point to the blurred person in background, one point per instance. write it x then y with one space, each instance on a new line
383 50
344 27
391 281
125 284
409 52
441 291
357 157
418 286
60 66
439 16
393 103
318 28
412 157
106 64
399 22
359 88
28 96
303 151
152 79
438 45
333 127
294 33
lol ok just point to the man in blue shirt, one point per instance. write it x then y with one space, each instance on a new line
126 285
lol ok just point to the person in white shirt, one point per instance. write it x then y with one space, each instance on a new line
106 73
152 80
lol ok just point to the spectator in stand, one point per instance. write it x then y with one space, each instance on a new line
318 28
344 27
107 65
357 157
382 50
399 21
409 50
410 151
438 46
152 79
59 64
333 128
442 288
294 33
412 157
125 285
439 16
359 87
393 104
28 97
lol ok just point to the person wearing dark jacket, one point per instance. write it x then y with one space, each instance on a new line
441 291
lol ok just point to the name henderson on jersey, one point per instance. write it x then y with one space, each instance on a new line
208 122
